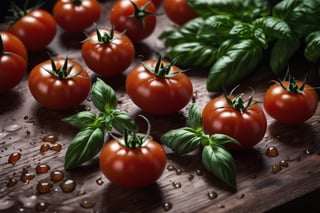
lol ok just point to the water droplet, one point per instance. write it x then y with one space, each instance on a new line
68 185
167 206
42 168
87 204
276 168
178 171
284 163
308 152
190 177
57 175
41 207
80 193
170 168
56 147
176 184
13 128
44 187
212 195
11 182
272 151
26 176
199 172
14 157
44 148
99 181
50 139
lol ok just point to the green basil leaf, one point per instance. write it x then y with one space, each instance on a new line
103 96
312 49
239 61
182 141
194 117
221 139
84 146
219 161
81 119
122 121
281 52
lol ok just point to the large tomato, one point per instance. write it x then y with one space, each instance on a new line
158 87
108 52
76 15
13 61
244 121
178 11
59 83
290 102
35 28
136 18
132 167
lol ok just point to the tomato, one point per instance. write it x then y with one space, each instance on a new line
76 15
13 61
60 86
36 29
157 3
160 91
132 167
290 104
137 22
178 11
107 52
245 123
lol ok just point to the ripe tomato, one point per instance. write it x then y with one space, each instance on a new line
76 15
136 18
107 52
290 104
59 83
132 167
36 29
178 11
13 61
247 124
160 91
157 3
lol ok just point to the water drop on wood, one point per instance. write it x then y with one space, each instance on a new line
44 148
199 172
14 157
167 206
276 168
41 207
57 175
42 168
44 187
272 151
26 176
11 182
212 195
176 184
50 139
190 177
170 168
87 204
284 163
56 147
99 181
178 171
68 185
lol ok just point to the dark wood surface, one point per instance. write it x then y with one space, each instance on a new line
24 124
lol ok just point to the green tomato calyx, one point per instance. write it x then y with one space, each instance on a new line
141 12
293 87
63 72
238 103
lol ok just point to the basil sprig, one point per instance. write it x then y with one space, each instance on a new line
215 157
229 37
90 138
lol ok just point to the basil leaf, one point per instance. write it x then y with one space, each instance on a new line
238 62
121 122
84 146
281 52
274 28
219 161
81 119
312 49
182 141
194 117
221 139
103 96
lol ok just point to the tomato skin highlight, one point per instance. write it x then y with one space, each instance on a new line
108 59
76 17
248 127
132 168
178 11
55 93
133 27
156 95
35 29
290 108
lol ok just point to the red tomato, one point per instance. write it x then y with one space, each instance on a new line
132 167
248 126
138 23
13 61
36 29
61 87
156 94
76 15
178 11
108 54
157 3
290 106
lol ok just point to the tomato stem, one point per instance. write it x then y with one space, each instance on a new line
76 1
18 12
238 103
293 86
140 13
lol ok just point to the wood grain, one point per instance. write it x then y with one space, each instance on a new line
24 123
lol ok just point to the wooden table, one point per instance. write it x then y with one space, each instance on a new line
186 188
